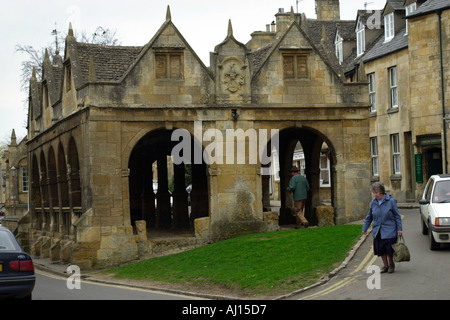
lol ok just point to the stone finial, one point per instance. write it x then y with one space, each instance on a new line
46 56
168 15
13 139
230 28
33 74
292 14
70 32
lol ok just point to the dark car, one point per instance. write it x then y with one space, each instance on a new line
17 276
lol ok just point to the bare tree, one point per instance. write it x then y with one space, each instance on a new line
35 57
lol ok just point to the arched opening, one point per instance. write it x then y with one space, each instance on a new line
63 184
53 190
36 194
313 155
74 174
44 192
166 195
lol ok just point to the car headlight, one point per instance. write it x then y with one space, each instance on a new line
442 222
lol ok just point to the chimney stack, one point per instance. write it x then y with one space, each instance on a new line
328 10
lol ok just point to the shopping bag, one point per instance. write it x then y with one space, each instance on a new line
401 251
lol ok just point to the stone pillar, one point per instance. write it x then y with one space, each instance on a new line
180 203
148 211
265 180
199 194
163 211
237 208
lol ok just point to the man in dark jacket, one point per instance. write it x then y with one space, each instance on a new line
300 186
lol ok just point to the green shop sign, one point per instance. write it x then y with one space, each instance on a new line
418 165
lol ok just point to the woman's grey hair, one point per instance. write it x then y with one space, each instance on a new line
378 186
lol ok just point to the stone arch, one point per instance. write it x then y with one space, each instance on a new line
45 202
63 187
74 175
36 197
312 142
149 158
53 190
52 178
62 176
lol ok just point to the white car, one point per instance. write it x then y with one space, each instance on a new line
435 210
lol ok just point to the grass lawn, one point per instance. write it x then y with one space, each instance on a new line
269 263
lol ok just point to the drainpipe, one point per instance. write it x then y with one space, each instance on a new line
444 125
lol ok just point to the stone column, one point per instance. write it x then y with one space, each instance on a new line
265 181
180 203
163 211
148 211
199 193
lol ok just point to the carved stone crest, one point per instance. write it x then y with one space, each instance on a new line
233 75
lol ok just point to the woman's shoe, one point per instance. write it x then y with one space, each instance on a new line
384 269
391 268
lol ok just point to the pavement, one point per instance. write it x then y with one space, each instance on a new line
56 268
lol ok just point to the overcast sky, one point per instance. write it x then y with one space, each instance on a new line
203 23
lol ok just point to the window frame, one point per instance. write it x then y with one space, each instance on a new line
168 64
374 156
393 87
324 170
25 178
360 39
372 92
389 30
408 10
396 154
296 54
339 50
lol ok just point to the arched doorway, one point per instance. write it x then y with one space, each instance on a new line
166 195
313 154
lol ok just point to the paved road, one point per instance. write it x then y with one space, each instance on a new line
425 277
52 287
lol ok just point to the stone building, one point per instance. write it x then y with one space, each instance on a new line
103 116
15 179
387 67
429 56
404 60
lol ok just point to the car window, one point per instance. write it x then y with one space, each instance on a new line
429 188
441 191
7 243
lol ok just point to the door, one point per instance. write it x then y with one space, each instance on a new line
434 161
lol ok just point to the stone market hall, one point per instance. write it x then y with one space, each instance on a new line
100 132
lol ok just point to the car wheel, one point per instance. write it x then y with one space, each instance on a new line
424 226
433 244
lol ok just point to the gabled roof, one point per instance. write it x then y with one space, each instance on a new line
396 4
429 7
52 76
111 64
314 33
346 30
35 95
382 48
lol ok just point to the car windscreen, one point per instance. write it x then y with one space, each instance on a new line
7 242
441 192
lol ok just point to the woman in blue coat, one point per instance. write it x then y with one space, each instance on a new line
386 225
